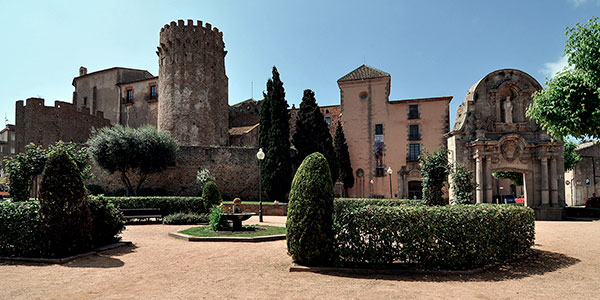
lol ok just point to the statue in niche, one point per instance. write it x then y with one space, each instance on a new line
508 110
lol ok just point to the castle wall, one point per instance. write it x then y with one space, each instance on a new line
235 170
192 84
45 125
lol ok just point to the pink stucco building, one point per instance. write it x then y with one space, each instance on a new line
383 133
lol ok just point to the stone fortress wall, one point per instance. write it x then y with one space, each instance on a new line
45 125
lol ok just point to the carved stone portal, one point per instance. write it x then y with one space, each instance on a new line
485 147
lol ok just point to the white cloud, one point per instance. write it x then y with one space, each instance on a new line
553 67
578 3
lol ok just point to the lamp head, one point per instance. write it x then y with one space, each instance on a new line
389 170
260 154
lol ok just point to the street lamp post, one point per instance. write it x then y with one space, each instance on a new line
389 171
260 155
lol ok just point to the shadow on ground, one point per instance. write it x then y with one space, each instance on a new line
105 259
539 262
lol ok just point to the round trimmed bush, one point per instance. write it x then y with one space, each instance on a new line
211 195
310 213
64 211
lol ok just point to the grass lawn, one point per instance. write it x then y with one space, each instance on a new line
259 230
255 202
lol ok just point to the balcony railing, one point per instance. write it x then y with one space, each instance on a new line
414 137
413 115
412 158
150 97
126 100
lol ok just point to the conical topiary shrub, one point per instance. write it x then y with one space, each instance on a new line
64 209
211 195
310 213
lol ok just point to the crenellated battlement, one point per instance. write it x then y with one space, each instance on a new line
45 125
60 108
179 37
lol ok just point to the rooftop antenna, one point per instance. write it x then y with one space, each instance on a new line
252 90
5 120
364 60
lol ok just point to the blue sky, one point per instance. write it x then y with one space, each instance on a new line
430 48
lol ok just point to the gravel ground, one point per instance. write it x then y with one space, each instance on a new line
566 265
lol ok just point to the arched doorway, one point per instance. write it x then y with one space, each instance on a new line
415 190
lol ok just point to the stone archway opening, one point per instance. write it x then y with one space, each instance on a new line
508 186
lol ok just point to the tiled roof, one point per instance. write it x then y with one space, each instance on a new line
242 130
364 72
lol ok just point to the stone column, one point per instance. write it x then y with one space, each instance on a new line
401 187
544 183
479 179
488 180
553 182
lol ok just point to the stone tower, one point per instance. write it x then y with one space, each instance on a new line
192 85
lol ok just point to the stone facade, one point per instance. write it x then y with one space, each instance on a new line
8 144
383 133
584 178
234 168
139 102
192 84
101 91
493 134
45 125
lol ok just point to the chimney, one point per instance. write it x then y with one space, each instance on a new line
82 71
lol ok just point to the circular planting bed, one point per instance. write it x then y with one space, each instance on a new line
254 233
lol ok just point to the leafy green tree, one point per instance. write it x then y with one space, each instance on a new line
310 213
64 209
570 104
312 133
273 138
463 185
515 177
434 170
571 157
134 153
24 168
343 158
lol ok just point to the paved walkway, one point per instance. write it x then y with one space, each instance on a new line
566 266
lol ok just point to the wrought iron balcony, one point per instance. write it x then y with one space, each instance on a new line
413 115
414 137
150 97
412 158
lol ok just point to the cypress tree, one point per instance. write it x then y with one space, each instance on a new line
343 158
273 138
312 133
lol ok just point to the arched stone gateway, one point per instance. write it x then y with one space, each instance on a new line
492 134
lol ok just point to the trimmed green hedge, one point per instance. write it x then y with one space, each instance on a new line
21 232
433 237
349 203
20 229
185 219
167 205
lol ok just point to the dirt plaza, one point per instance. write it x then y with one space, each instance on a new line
565 264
